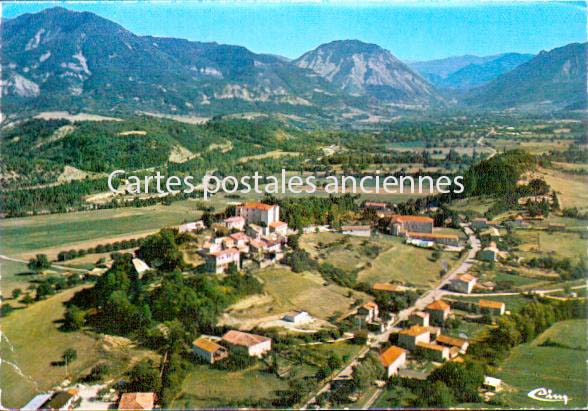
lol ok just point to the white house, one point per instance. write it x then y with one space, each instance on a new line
209 350
256 345
357 230
257 213
464 283
297 317
368 312
279 227
237 223
393 358
409 338
191 227
219 261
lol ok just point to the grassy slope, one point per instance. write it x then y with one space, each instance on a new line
562 370
395 262
205 387
34 341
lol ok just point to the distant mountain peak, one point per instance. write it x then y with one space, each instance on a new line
367 69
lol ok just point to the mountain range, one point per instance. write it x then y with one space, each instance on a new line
59 59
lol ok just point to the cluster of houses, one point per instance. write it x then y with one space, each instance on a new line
256 233
424 338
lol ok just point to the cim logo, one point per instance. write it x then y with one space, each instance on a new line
544 394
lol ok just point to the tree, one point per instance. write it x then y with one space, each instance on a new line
16 293
161 251
69 355
39 263
74 318
144 377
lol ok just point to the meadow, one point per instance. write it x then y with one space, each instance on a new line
32 345
395 260
208 388
560 368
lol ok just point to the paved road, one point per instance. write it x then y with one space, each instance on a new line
61 267
376 341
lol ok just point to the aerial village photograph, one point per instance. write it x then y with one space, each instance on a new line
139 269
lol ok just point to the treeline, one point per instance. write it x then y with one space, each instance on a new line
100 248
523 326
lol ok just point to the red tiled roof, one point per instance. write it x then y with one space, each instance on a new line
415 330
244 339
429 235
224 252
491 304
447 340
412 218
438 305
391 354
137 401
258 206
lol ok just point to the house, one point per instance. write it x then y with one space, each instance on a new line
419 318
402 224
241 241
62 400
137 401
297 317
438 311
257 231
408 338
420 243
279 227
492 384
259 213
464 283
192 227
479 223
212 247
492 307
234 223
209 350
140 266
357 230
256 345
445 239
448 341
489 253
389 288
393 358
373 205
219 261
491 233
368 312
36 403
432 351
434 332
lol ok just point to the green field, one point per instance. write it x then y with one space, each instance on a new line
32 341
29 234
473 205
561 369
304 291
396 261
205 387
561 244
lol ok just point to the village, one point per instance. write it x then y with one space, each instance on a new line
255 237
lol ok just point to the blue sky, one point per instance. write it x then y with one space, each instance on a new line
411 31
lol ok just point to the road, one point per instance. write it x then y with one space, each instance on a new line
427 298
61 267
